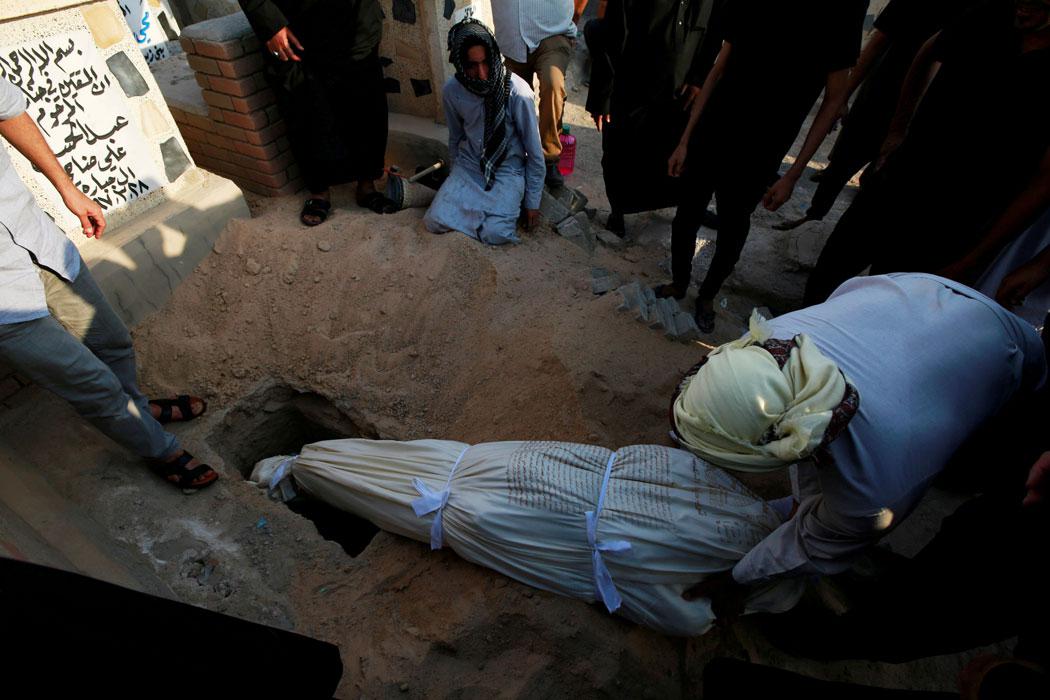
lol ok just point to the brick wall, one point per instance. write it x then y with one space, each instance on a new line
242 136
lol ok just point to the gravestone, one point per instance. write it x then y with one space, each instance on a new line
88 88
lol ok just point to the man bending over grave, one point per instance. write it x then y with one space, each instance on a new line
868 395
57 329
495 156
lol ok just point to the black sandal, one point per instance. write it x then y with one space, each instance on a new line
193 479
181 402
378 202
318 208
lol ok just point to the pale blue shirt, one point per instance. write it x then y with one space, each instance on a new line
26 233
932 360
522 24
465 113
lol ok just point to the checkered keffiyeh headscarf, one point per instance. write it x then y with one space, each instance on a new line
495 91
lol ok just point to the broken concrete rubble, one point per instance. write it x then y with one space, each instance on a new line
603 280
658 313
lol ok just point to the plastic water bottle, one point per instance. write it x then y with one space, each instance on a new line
567 161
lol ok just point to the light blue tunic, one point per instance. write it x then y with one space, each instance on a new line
462 204
932 360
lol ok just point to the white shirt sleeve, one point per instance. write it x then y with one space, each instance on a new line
12 101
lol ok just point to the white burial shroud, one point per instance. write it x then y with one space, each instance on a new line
632 528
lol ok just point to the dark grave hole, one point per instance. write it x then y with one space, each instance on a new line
278 420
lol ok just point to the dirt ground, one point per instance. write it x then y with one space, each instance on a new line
370 325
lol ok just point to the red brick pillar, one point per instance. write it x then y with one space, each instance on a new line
242 137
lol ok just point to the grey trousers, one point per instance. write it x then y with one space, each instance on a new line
83 353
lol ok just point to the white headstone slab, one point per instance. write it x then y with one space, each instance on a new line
153 27
84 116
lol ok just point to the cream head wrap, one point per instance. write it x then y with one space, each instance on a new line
742 410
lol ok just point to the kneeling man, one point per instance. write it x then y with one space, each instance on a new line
495 154
869 394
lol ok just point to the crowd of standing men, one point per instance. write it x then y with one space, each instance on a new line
949 116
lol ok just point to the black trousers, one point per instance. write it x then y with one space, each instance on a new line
737 198
336 113
68 635
857 145
843 165
852 246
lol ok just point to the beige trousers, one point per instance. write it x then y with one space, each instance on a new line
549 61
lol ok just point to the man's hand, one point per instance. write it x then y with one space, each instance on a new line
889 145
532 219
600 120
676 163
283 45
87 210
726 595
690 93
1021 282
780 192
1038 485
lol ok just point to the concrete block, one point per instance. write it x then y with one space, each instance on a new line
577 232
685 327
552 210
573 200
610 240
631 295
667 310
603 281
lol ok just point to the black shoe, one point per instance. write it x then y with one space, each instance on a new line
705 320
554 178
